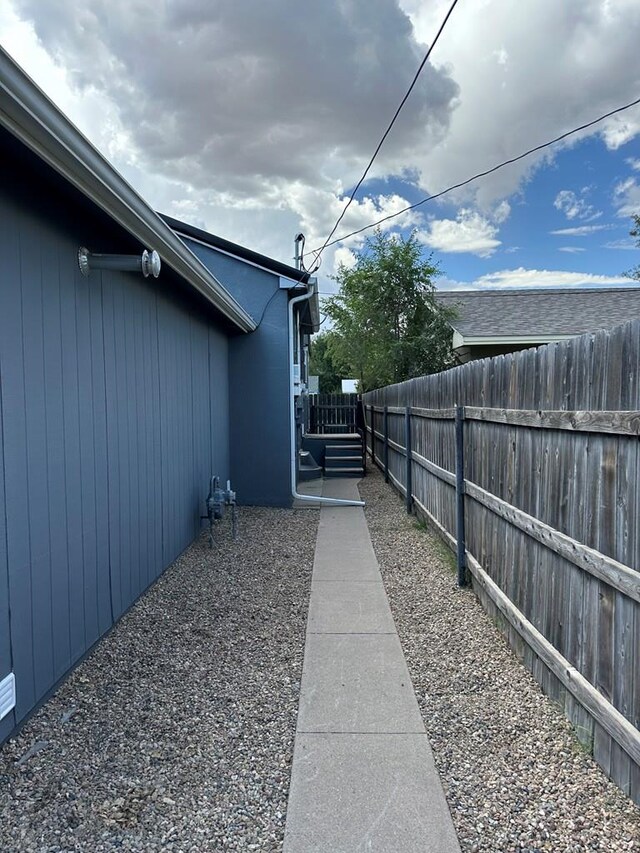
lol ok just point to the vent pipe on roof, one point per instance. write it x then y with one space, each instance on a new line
148 263
298 241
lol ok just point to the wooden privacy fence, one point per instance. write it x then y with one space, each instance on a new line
541 505
332 413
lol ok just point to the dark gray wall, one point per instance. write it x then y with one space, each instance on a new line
114 410
258 382
6 663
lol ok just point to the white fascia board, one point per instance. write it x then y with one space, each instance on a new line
479 340
28 114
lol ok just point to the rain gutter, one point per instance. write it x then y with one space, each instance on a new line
28 114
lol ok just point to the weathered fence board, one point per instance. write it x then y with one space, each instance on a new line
332 413
551 472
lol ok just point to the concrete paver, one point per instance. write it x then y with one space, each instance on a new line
363 776
366 793
356 683
349 607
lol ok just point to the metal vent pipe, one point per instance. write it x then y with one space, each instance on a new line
148 263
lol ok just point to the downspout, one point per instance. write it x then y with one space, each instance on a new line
292 419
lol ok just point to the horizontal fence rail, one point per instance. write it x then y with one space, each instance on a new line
540 502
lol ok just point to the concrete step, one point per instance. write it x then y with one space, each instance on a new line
333 450
309 472
342 461
308 468
343 472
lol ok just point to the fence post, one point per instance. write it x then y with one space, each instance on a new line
407 444
313 413
385 422
460 536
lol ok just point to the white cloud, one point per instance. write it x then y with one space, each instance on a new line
345 257
502 212
626 197
522 277
625 244
580 230
469 232
247 103
568 63
573 250
575 208
634 163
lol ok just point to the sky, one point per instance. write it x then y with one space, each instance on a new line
254 120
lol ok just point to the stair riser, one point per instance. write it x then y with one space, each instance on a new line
333 452
343 462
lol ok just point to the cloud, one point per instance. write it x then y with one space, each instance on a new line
575 208
634 163
522 277
248 101
571 249
502 212
469 232
626 197
580 230
565 64
345 257
625 244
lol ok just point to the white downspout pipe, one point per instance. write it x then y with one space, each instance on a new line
292 419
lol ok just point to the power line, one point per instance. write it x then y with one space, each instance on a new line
387 131
479 175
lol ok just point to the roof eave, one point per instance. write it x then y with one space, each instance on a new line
29 115
462 340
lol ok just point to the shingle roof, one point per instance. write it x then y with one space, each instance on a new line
539 313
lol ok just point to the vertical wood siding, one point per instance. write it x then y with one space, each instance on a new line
113 412
578 476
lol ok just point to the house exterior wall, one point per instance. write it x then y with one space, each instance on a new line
114 411
258 382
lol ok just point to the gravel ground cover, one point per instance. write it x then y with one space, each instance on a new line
514 775
176 734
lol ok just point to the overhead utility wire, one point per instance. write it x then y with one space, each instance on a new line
387 131
480 174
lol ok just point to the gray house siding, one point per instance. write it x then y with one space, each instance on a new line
113 410
258 382
6 663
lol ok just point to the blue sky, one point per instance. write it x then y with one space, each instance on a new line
571 216
254 121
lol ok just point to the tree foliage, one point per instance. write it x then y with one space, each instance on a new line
325 364
634 272
387 323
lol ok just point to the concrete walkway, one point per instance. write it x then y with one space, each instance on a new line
363 775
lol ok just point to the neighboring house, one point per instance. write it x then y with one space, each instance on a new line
494 322
120 394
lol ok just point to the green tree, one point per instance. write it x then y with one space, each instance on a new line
387 321
634 272
324 364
